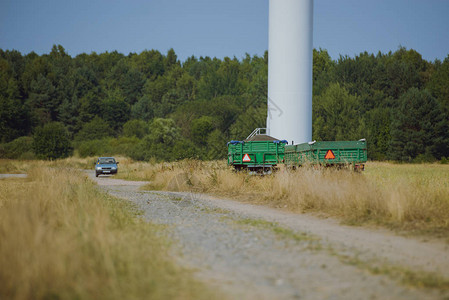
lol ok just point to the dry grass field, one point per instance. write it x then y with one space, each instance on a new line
60 238
412 198
10 166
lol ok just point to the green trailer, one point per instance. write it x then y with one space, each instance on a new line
329 153
258 157
260 153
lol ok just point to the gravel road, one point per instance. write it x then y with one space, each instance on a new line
233 246
13 176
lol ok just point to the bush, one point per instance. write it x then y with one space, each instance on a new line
419 128
201 128
424 158
20 148
138 152
159 151
184 149
124 145
136 128
52 141
94 130
94 148
159 144
108 147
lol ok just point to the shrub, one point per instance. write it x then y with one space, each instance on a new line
201 128
124 145
108 147
184 149
424 158
20 148
95 148
52 141
94 130
136 128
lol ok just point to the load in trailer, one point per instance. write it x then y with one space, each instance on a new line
260 153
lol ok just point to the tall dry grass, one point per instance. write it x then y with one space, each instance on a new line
62 239
12 166
401 196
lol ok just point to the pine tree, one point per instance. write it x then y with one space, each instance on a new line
418 127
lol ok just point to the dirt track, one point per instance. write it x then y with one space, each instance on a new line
232 246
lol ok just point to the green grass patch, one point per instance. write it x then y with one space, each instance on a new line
419 279
277 229
215 210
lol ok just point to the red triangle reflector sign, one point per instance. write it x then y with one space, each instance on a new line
246 158
329 155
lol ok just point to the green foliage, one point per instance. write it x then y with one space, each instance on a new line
419 128
424 158
124 145
375 127
108 146
94 130
115 110
439 83
135 128
253 117
52 141
12 123
184 149
163 131
194 107
216 145
336 115
201 128
96 147
20 148
165 143
159 143
143 109
322 66
42 100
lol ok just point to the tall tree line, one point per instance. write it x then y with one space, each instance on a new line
152 105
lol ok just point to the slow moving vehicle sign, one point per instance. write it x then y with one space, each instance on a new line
329 155
246 158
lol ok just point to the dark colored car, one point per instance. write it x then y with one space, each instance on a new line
106 165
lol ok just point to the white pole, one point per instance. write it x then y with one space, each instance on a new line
290 59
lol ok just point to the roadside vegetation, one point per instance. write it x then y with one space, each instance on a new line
60 238
10 166
413 198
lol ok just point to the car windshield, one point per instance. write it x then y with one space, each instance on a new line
106 160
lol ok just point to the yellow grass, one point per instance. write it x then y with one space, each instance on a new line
62 239
11 166
414 198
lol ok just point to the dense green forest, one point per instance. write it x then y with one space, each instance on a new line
152 106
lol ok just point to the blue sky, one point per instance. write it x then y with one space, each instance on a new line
219 28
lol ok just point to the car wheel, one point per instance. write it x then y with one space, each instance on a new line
96 174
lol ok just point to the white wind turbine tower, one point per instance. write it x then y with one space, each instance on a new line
290 58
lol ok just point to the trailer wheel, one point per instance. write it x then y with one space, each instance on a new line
359 168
